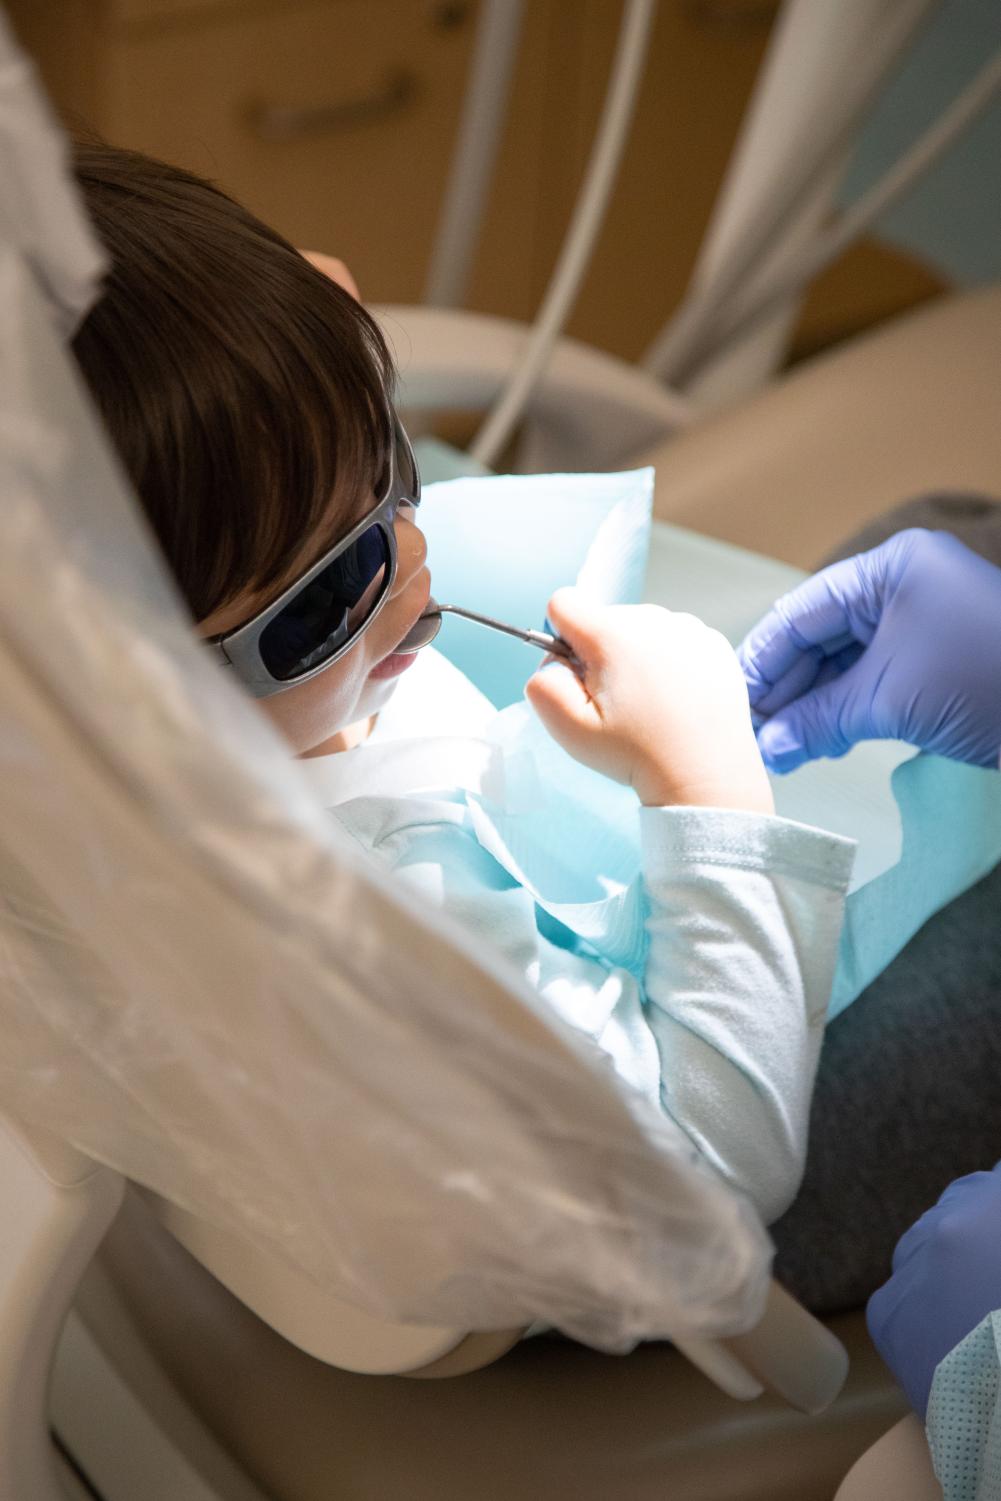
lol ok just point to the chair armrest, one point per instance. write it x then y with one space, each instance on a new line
57 1207
793 1354
788 1351
305 1314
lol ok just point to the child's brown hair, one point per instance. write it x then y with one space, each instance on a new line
241 387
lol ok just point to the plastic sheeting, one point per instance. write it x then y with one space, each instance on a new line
203 984
38 208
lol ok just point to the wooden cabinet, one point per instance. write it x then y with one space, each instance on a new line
335 120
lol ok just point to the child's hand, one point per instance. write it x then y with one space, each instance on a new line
662 705
331 266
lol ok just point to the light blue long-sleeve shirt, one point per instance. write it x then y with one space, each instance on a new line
716 1012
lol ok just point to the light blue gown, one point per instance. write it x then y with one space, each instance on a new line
703 978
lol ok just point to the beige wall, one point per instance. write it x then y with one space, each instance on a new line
192 80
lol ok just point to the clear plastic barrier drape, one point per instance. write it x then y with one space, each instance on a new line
203 984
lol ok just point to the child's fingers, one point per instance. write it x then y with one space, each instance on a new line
561 701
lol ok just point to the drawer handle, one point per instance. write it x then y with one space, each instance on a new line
289 122
732 15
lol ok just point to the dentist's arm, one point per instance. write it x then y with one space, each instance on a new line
900 643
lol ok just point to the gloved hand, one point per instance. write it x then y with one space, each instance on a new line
946 1279
900 643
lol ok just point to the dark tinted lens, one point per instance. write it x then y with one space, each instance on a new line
325 613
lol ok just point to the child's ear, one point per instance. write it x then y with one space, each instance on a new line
335 269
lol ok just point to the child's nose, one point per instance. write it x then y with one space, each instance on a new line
411 548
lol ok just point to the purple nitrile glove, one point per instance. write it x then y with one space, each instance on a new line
946 1279
900 643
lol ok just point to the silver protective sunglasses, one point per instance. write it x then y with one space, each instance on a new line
324 613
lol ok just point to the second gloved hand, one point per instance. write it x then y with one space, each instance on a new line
946 1279
900 643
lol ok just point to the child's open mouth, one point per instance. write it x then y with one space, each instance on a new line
422 632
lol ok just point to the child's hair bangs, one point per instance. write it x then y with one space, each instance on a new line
324 439
249 396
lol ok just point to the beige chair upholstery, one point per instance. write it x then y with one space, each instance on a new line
551 1419
897 1468
911 407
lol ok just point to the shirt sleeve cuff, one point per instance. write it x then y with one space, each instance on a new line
675 837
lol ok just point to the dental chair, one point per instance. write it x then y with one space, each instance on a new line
272 1143
304 1223
348 1137
276 1140
259 1116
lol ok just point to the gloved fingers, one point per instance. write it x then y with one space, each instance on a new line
814 668
844 658
819 613
816 725
799 679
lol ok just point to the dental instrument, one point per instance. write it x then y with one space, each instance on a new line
555 645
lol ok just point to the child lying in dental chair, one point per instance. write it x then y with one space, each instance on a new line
249 396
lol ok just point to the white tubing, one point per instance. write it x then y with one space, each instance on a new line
823 69
738 314
588 214
484 111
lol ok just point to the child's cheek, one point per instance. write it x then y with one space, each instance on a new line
310 713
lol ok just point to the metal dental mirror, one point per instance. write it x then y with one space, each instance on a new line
430 623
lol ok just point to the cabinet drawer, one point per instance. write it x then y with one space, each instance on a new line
333 121
138 12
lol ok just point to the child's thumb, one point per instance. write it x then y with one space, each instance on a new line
575 618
